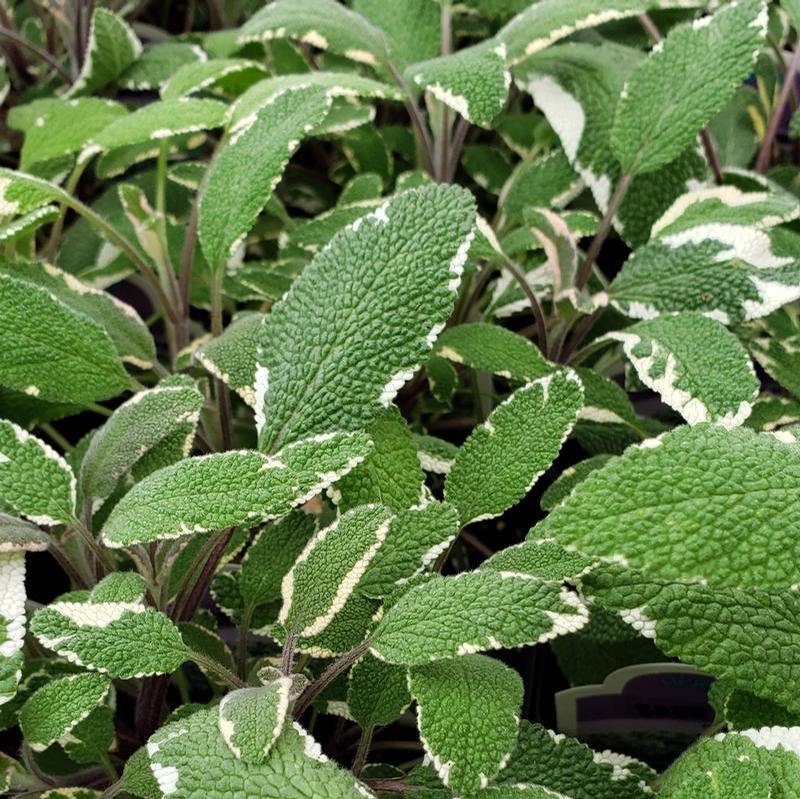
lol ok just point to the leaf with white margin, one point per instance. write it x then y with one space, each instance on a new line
327 571
225 489
21 193
246 170
121 639
494 349
564 484
748 637
470 612
697 366
502 458
158 63
111 49
685 81
34 478
473 82
89 367
184 753
518 791
119 587
435 454
417 537
547 21
725 514
12 621
161 120
400 265
251 719
325 24
17 535
135 427
27 224
126 329
571 768
377 692
56 708
544 559
208 75
754 763
468 714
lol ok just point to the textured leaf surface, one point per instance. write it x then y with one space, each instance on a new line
136 426
435 454
377 692
698 367
231 488
205 75
121 639
562 486
544 559
120 587
331 353
467 713
34 478
743 710
57 707
12 622
159 62
88 366
244 174
328 570
683 84
502 459
473 612
724 514
18 535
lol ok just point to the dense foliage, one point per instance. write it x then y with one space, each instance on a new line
372 371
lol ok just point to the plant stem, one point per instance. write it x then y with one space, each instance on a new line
223 398
185 277
456 146
217 668
538 314
364 744
36 50
241 644
765 153
420 128
581 331
287 655
56 436
51 248
186 589
90 541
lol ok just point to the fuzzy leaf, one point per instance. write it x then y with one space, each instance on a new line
564 484
682 85
722 515
408 256
56 708
435 454
743 710
121 639
246 171
231 488
502 459
377 692
158 63
17 535
468 714
88 366
327 571
472 612
119 587
34 478
201 76
544 559
12 622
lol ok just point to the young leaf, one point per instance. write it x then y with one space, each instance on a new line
544 559
121 639
684 358
325 24
119 587
564 484
111 49
447 617
327 571
17 535
158 63
135 427
468 714
689 527
246 171
435 454
56 708
231 488
88 366
486 478
684 82
207 75
408 256
12 622
743 710
377 692
34 478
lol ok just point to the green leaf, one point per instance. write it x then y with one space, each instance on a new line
158 63
246 171
135 427
111 49
684 83
435 454
377 692
251 719
121 639
90 739
742 710
471 612
185 753
502 459
34 479
88 366
21 193
722 515
17 535
218 73
468 714
24 226
544 559
12 622
494 349
564 484
56 708
571 768
119 587
406 256
697 366
325 24
124 326
327 571
473 82
231 488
